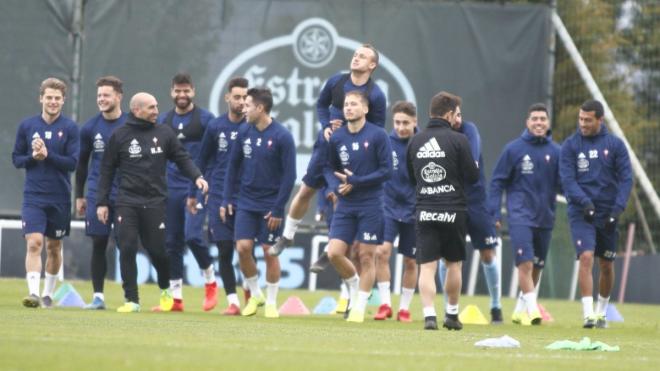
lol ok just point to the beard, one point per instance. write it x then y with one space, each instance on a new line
182 103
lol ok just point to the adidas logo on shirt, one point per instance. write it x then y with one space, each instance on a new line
161 226
430 149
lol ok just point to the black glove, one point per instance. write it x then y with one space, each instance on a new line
611 221
589 212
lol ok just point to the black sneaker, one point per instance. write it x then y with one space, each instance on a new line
430 323
589 322
31 301
452 322
496 316
320 264
281 244
46 302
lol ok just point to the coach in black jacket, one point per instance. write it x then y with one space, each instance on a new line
139 150
439 163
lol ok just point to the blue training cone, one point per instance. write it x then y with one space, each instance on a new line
325 306
61 291
72 299
612 314
374 298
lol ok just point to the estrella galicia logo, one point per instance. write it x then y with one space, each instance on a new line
295 67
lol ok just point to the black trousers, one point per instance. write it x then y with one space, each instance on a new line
149 225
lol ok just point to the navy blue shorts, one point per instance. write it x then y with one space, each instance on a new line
530 244
313 178
362 225
93 227
51 220
183 226
219 231
406 233
481 227
588 237
250 225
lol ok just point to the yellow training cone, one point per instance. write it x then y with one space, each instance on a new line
471 315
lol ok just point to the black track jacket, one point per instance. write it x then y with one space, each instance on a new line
439 163
140 151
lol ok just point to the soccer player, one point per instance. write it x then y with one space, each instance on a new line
47 147
185 216
138 151
480 223
329 108
399 207
440 164
596 176
361 157
264 159
217 143
94 137
528 171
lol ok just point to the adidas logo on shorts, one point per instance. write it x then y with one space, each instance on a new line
430 149
161 226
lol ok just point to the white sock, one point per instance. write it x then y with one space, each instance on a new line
33 281
587 306
362 298
49 284
429 311
344 294
253 285
601 305
520 303
353 284
271 292
384 291
209 274
451 309
233 299
99 295
290 227
244 285
176 287
530 301
406 297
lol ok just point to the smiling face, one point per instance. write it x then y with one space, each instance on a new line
252 110
588 123
148 110
538 123
52 101
107 99
182 95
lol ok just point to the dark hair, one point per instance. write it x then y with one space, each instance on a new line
537 107
52 83
182 78
112 81
373 49
593 105
404 107
442 103
262 96
240 82
359 94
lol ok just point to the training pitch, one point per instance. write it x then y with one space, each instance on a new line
74 339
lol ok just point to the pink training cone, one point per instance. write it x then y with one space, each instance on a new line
545 315
293 306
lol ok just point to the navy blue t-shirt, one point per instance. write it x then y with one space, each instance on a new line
47 181
265 162
368 155
94 137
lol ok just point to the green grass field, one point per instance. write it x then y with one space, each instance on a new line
74 339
